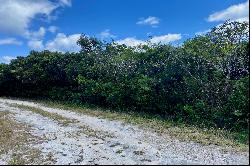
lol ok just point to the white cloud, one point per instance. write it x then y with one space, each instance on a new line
64 43
131 41
164 39
201 33
36 34
16 15
60 43
9 41
153 21
65 2
52 29
36 45
106 34
6 59
239 12
36 39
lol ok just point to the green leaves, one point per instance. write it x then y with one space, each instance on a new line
89 44
203 81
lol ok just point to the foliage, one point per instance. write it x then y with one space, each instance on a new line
205 81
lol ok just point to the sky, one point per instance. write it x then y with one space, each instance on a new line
56 25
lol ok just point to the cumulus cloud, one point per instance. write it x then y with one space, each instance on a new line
239 12
64 43
106 34
36 45
164 39
20 13
36 34
131 41
6 59
61 42
10 41
153 21
36 39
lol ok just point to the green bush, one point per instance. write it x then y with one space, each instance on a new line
205 81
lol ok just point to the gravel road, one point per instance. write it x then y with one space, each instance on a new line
92 140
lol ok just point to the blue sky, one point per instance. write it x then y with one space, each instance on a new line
57 24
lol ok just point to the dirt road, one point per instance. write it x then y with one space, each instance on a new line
66 137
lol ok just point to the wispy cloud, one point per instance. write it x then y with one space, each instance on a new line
53 29
10 41
152 21
202 32
65 2
239 12
106 34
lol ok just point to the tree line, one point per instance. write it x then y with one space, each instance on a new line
203 81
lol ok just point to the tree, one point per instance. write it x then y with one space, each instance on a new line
89 44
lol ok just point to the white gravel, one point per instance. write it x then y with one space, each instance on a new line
91 140
4 159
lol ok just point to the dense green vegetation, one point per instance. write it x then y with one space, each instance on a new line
205 81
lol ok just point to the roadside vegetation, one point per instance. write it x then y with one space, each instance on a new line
203 83
165 127
60 119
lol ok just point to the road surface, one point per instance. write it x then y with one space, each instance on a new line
74 138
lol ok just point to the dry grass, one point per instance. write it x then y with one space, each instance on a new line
89 132
16 142
165 127
65 121
60 119
224 138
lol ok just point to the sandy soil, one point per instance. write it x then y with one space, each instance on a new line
92 140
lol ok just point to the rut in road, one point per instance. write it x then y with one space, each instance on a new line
86 139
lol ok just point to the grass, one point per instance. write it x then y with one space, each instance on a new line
239 141
184 132
89 132
62 120
15 141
